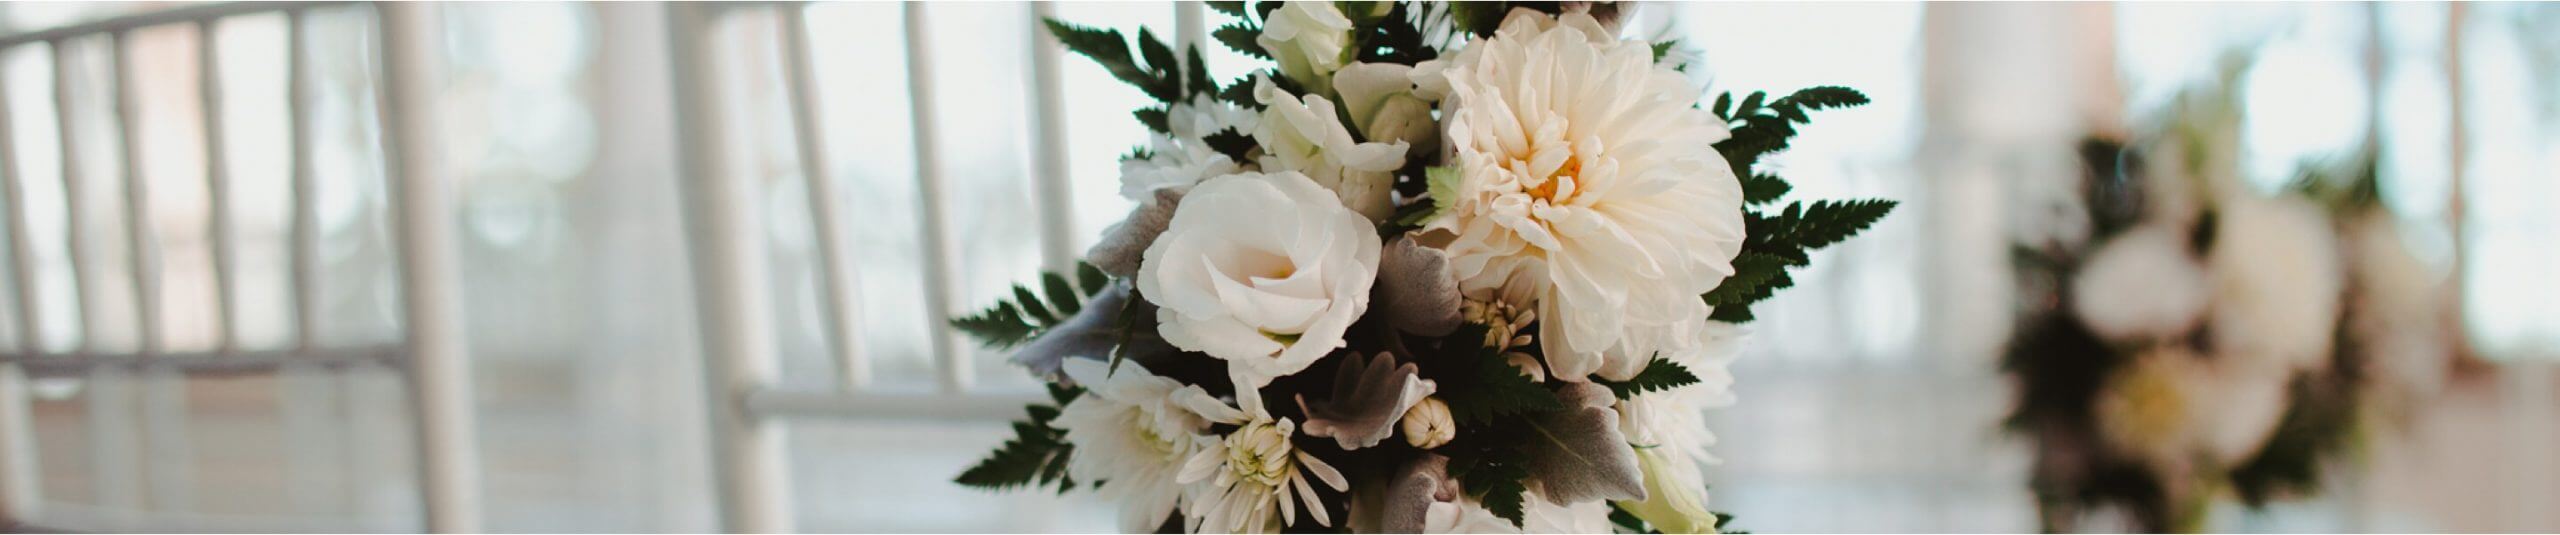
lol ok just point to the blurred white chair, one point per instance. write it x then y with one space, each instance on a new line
429 355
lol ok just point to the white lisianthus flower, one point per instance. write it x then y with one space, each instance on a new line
2140 285
1305 135
1307 40
1265 271
1183 157
1132 437
1254 480
2277 282
1581 158
1383 104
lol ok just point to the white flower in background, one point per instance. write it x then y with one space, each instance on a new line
1428 424
1305 135
2277 282
2172 407
1252 482
1382 103
1579 156
1265 271
1307 40
1132 437
2141 285
1183 157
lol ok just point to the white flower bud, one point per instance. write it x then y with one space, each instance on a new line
1428 424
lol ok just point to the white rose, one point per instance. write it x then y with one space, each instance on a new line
1307 40
1304 135
1265 271
1383 104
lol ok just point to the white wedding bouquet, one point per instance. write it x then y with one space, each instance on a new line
1439 268
2188 337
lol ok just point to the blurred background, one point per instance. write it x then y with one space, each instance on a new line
1870 396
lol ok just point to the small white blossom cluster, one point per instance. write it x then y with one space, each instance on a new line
1393 288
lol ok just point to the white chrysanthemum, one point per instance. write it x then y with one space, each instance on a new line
2276 279
1578 156
1183 157
1255 480
2141 285
1306 135
1132 438
1265 271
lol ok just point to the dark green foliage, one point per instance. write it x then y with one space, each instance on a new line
1499 480
1758 189
1235 145
1155 118
1826 222
1239 37
1013 322
1760 130
1037 454
1724 524
1663 49
1658 375
1627 522
1775 243
1500 391
1390 38
1232 9
1161 76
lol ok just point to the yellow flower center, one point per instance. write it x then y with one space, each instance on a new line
1546 190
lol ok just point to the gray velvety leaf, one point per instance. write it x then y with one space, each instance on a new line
1123 243
1578 454
1416 290
1089 334
1369 395
1410 495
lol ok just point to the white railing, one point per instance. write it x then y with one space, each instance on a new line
724 220
430 354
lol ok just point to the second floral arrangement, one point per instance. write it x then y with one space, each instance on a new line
1465 267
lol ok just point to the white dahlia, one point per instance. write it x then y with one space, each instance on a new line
1132 437
1580 158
